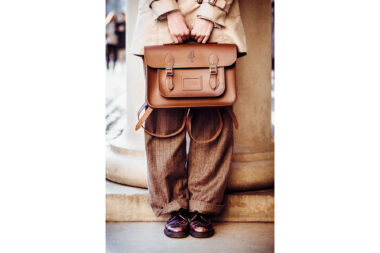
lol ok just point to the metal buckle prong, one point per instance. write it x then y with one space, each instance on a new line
169 71
213 70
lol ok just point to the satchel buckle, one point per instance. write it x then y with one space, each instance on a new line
169 71
213 70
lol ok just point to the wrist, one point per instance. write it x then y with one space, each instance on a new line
172 14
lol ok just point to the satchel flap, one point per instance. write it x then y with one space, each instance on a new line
190 55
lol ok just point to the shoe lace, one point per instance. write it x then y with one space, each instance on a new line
176 214
198 217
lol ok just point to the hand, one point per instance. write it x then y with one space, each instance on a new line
177 27
201 30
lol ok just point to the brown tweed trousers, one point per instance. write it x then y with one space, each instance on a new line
196 181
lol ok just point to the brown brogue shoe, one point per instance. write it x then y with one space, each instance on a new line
177 225
200 225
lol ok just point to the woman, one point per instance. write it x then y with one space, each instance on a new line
190 188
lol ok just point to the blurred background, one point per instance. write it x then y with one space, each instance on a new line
115 68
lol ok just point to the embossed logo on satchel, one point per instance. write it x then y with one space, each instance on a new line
191 56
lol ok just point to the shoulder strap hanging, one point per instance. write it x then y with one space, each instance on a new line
148 111
186 122
216 135
233 116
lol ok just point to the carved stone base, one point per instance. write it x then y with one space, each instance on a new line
249 171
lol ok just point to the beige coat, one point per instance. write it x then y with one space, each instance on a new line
152 28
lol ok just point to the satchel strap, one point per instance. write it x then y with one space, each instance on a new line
216 135
233 116
186 122
148 111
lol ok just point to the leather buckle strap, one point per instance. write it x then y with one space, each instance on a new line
148 111
216 135
213 61
141 120
169 63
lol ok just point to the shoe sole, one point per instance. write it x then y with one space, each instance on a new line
201 234
171 234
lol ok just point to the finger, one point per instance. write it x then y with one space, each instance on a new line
207 36
196 35
205 39
200 38
192 33
191 26
187 34
180 39
180 36
174 39
183 36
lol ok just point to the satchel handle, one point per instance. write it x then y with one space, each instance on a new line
188 42
216 135
148 111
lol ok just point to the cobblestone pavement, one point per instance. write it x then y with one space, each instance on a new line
116 99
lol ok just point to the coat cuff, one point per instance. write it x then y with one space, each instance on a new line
162 7
215 24
213 13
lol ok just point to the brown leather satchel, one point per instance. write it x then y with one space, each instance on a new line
188 76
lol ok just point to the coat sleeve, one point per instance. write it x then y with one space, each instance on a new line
215 10
162 7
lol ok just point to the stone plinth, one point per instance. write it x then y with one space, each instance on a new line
127 203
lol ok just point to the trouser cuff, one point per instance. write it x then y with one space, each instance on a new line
172 206
204 207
